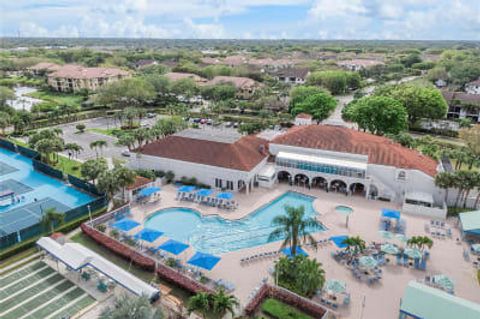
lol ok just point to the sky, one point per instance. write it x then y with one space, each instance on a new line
244 19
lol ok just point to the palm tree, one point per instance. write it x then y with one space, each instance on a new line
73 149
99 144
51 218
294 227
355 244
124 177
127 140
420 242
199 303
131 307
223 303
444 180
108 183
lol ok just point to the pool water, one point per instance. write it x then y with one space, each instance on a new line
37 185
213 234
344 209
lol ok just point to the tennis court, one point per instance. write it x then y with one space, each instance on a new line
37 291
33 193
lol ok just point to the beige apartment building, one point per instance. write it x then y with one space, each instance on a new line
72 78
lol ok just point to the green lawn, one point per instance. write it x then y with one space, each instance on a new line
69 166
146 276
58 98
110 132
276 309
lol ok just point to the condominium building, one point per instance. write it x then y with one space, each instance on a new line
72 78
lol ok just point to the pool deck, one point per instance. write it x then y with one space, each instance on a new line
382 300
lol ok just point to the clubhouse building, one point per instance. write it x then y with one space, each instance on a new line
327 157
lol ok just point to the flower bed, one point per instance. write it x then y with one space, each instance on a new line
268 291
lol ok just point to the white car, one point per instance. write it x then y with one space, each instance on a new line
126 153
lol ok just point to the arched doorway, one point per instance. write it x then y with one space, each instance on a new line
357 189
338 186
301 180
319 182
284 177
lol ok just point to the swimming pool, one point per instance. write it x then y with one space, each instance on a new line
213 234
17 174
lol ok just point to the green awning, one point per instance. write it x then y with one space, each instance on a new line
470 221
422 301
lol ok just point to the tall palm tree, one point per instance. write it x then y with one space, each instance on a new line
108 183
355 244
131 307
199 303
124 177
444 180
295 228
51 218
223 303
99 144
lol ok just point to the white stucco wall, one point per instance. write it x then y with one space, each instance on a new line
203 173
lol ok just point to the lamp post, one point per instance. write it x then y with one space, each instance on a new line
90 214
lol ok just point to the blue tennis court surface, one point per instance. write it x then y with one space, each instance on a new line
6 169
34 193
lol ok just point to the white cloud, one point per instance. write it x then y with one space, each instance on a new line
324 19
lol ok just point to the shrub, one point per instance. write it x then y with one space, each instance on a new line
101 228
169 176
171 262
114 233
80 127
279 310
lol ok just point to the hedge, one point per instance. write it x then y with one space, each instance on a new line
65 228
278 310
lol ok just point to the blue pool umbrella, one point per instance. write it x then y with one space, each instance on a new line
148 234
204 192
338 240
226 195
147 191
125 224
186 189
288 251
205 261
173 246
390 213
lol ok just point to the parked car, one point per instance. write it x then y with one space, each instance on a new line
151 115
126 153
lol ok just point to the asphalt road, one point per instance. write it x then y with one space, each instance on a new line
70 135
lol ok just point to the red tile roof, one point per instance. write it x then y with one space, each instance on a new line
79 72
244 154
139 182
380 150
175 76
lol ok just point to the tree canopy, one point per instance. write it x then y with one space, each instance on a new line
419 101
337 82
319 105
126 92
377 114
